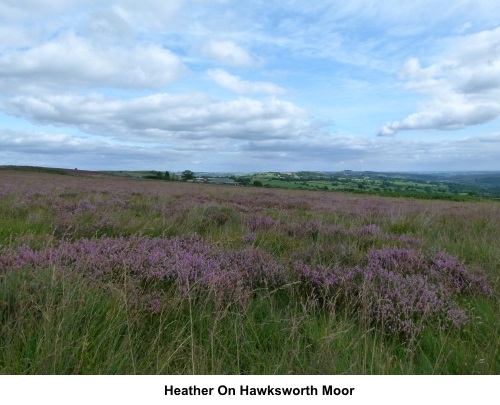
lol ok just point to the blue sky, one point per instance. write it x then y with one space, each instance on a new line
223 85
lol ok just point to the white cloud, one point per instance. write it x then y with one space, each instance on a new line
450 113
15 36
240 86
308 152
327 152
72 60
63 150
162 117
228 53
463 88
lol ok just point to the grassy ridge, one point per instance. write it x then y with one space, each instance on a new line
68 318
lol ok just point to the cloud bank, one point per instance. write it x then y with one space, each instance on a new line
462 90
162 117
70 60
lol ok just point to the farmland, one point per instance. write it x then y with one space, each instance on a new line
446 186
107 275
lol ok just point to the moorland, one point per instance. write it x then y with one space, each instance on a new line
102 274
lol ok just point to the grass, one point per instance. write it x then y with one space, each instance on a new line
390 186
58 324
70 327
57 320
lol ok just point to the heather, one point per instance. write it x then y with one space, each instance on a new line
108 275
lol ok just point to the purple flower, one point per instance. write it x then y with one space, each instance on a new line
248 238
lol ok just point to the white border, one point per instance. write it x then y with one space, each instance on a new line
150 390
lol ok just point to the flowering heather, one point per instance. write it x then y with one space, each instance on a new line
248 238
326 282
398 288
371 229
373 252
257 222
189 262
441 268
311 228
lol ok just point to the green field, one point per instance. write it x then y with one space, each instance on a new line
458 187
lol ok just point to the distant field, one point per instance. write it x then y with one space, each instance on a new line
429 186
107 275
132 173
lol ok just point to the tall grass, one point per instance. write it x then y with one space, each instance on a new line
69 316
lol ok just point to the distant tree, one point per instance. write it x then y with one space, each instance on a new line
257 183
187 175
166 176
244 180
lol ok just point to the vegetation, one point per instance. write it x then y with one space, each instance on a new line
466 186
110 275
187 175
447 186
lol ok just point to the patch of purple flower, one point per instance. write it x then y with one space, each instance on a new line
400 289
249 238
257 222
368 230
405 289
189 262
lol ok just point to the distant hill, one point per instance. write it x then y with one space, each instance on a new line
55 170
447 185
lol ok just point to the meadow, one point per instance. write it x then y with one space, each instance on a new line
109 275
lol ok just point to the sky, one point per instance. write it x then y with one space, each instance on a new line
250 85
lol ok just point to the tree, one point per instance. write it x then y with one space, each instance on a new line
257 183
167 176
244 180
187 175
